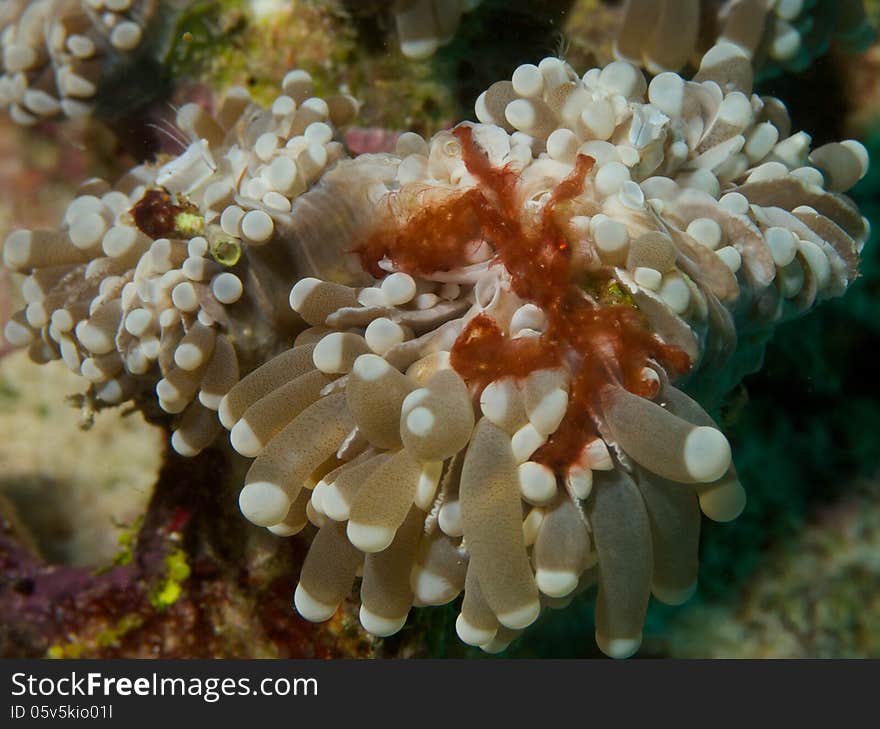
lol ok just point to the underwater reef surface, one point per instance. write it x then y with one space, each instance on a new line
832 443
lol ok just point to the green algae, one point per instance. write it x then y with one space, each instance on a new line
169 589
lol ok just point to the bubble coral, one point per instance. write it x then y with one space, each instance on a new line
164 285
780 34
502 411
58 56
500 335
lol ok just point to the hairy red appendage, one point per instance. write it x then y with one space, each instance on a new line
436 238
598 345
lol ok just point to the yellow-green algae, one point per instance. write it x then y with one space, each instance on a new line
168 590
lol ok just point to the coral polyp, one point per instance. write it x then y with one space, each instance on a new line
60 56
778 34
482 364
422 25
166 284
503 411
425 25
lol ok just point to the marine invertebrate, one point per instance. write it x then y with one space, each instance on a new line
502 324
425 25
502 411
58 55
422 25
787 34
170 280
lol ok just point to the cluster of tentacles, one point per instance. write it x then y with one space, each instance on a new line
496 413
58 56
493 330
776 34
165 285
